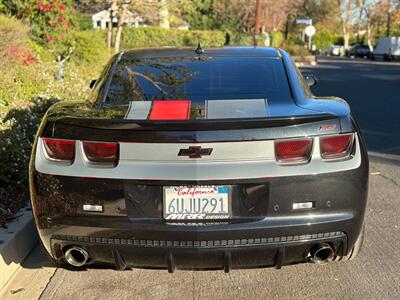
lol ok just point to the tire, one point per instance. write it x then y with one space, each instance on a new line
356 248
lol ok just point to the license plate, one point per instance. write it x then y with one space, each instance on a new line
196 203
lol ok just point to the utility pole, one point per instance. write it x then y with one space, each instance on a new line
257 25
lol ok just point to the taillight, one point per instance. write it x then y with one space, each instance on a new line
101 152
60 149
335 147
294 151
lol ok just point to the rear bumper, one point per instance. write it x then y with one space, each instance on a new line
224 254
263 243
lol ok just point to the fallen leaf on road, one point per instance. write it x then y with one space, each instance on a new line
17 291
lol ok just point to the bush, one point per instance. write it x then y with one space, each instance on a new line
89 47
297 50
277 39
324 38
159 37
17 133
241 39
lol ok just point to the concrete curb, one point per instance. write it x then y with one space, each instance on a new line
302 61
17 241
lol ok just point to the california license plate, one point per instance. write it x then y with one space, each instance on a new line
196 203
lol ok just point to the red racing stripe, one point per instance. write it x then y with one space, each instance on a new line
170 110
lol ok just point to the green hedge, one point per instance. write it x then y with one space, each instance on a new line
159 37
323 39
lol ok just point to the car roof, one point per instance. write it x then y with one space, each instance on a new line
208 52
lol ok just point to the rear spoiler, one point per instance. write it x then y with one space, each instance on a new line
190 125
192 131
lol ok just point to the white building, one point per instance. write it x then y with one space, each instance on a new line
102 19
184 26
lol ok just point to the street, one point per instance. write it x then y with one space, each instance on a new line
373 92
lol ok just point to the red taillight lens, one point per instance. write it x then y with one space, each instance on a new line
293 151
338 146
101 152
59 149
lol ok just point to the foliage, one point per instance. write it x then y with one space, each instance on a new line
324 38
296 50
155 37
89 47
83 22
50 24
199 14
276 39
17 133
20 9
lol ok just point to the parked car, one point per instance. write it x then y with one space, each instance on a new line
358 50
335 50
212 159
388 48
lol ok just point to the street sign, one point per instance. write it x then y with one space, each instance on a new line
304 21
310 30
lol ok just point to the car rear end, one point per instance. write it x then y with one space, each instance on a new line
211 168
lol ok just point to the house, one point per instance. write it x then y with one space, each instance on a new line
102 19
184 26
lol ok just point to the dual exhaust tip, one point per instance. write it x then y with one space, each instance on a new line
321 254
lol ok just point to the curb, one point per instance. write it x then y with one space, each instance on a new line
303 61
17 241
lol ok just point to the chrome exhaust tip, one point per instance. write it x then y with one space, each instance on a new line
321 254
76 256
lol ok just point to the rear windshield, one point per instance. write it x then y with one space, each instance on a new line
207 82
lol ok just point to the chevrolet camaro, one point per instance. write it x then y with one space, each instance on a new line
199 159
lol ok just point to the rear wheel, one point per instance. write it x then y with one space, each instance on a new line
356 248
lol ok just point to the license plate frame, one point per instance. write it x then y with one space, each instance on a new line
196 205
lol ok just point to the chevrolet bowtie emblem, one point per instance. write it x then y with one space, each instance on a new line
195 152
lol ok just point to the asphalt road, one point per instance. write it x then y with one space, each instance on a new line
373 91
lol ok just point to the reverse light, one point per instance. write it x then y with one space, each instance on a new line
62 150
337 146
295 151
101 152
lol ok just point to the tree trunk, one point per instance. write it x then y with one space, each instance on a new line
113 11
346 38
388 22
346 13
164 14
110 33
369 37
121 20
257 25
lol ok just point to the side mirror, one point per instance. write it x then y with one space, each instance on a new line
92 83
310 79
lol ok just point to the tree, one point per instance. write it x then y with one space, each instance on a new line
164 14
121 13
346 17
275 14
365 12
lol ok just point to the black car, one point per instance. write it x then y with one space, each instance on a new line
359 50
207 159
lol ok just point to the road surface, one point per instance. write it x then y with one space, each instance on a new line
373 91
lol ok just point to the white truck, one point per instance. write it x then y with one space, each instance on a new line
388 48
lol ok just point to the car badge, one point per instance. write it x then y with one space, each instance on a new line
195 152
